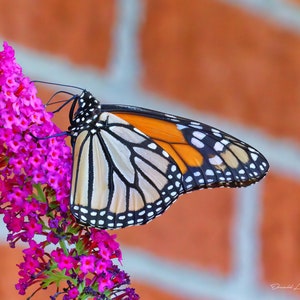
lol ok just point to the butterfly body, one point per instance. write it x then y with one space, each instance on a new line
130 164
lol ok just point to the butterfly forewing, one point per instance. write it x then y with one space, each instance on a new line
130 164
206 156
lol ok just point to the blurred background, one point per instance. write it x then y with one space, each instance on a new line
234 64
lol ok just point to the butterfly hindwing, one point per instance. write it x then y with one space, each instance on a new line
130 179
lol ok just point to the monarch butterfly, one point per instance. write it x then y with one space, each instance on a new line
130 163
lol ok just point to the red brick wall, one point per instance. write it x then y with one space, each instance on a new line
76 31
215 58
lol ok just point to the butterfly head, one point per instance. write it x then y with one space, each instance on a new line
87 101
87 114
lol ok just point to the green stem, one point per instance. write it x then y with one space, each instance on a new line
63 246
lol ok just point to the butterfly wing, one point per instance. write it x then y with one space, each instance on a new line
206 156
138 162
120 176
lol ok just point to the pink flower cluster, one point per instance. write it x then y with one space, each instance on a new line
35 175
27 161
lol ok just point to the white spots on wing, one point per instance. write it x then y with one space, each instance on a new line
83 218
110 217
215 160
173 168
216 132
100 222
264 164
199 135
142 212
159 202
209 172
152 146
196 125
83 210
189 179
165 153
181 127
170 187
196 139
177 184
171 116
167 200
254 156
198 144
150 213
158 210
224 142
218 146
252 150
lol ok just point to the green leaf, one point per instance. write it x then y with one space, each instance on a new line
54 277
80 247
40 196
74 229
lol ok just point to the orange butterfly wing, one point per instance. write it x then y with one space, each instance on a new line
206 156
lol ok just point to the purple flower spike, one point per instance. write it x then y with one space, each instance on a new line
35 176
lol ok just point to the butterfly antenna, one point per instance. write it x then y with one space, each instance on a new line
65 102
60 101
58 84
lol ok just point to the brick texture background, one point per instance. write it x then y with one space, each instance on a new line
214 58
